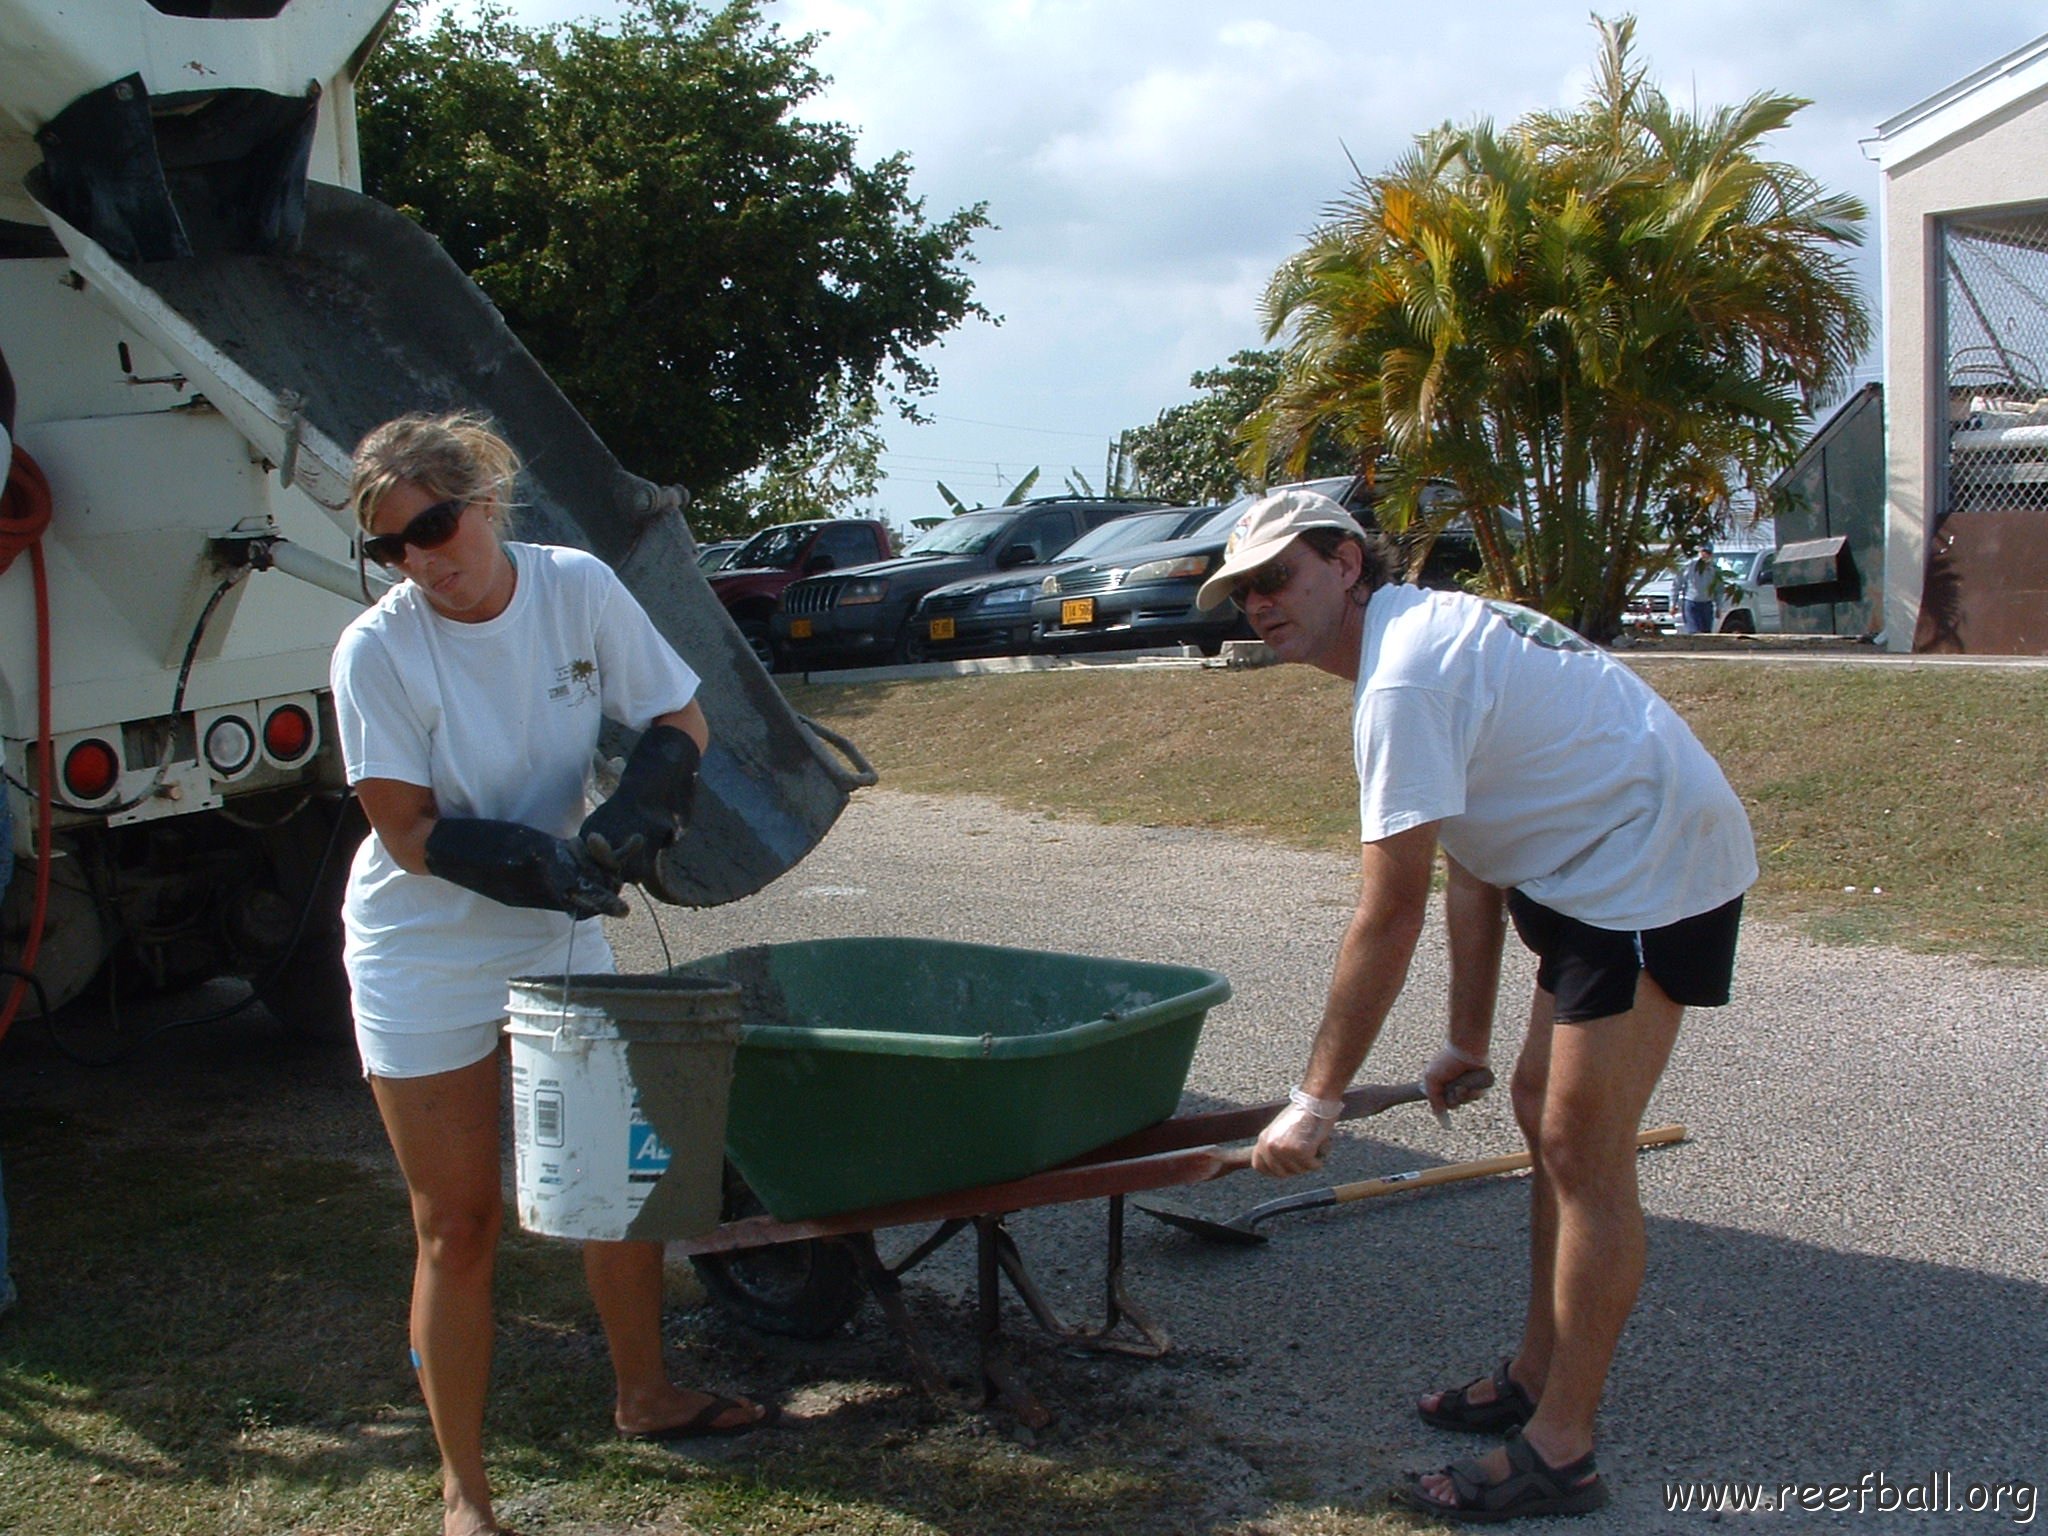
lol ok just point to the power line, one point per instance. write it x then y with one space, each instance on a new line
1011 426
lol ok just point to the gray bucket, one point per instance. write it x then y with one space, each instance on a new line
619 1086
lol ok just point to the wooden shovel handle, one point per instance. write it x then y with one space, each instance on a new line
1231 1159
1476 1168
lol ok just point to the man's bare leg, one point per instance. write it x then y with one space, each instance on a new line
1601 1074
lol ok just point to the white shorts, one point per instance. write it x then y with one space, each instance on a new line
422 1053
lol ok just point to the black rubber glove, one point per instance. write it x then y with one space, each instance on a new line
630 831
522 866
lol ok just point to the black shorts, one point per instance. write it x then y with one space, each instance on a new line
1592 971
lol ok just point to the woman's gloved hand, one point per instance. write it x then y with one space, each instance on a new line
649 809
522 866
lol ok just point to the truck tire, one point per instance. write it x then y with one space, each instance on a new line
1740 622
794 1290
306 988
755 633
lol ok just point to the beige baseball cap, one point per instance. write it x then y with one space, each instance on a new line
1268 526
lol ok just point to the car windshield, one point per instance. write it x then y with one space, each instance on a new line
1222 520
1736 567
968 534
1123 532
772 549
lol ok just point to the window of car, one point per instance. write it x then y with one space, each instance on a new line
1123 532
1222 520
846 544
967 534
1045 534
773 549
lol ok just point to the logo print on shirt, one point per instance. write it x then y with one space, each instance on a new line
1539 627
575 681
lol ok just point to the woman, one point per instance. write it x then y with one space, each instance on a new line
469 700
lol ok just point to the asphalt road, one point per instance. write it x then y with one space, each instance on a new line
1848 1280
1849 1258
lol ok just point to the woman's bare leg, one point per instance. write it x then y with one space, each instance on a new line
626 1283
444 1129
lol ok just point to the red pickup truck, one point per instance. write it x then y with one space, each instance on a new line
750 582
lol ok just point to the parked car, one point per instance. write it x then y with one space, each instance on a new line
1146 595
713 556
756 573
1746 602
864 614
991 615
1651 605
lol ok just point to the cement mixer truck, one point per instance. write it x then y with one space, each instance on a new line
202 314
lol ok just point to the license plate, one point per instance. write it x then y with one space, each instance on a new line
942 629
799 629
1076 611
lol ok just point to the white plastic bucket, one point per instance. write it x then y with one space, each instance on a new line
619 1087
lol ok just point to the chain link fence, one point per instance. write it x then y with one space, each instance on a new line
1995 351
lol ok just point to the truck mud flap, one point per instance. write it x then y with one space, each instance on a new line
368 319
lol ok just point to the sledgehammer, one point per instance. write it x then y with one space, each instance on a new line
1243 1229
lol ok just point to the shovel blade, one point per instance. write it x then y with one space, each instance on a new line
1175 1214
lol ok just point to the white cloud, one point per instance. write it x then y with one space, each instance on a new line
1151 161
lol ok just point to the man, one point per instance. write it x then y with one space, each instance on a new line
1564 793
1692 592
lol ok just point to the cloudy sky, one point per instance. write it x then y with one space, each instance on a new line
1150 162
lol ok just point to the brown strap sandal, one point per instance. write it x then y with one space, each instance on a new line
1533 1487
1509 1407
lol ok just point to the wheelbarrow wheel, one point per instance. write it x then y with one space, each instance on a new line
802 1290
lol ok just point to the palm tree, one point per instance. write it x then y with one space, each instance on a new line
1597 326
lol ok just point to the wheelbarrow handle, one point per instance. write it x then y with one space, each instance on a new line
1219 1125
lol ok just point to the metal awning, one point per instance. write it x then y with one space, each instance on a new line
1813 563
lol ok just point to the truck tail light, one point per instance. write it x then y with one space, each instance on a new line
91 770
288 734
230 746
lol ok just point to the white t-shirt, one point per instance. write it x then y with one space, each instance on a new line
1552 767
499 720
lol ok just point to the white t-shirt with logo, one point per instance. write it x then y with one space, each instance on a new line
1552 767
499 720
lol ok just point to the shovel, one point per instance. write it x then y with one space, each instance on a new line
1244 1229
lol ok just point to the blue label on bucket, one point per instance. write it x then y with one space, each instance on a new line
647 1154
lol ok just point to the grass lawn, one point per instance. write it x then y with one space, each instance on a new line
1893 805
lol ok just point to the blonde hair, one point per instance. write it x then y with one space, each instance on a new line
455 455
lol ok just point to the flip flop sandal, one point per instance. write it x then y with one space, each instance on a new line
1509 1408
1532 1487
703 1424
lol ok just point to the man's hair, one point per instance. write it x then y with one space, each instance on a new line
1379 563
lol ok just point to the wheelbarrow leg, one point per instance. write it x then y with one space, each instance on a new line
887 1290
1001 1382
1152 1341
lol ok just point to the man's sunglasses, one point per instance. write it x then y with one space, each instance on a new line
429 530
1268 580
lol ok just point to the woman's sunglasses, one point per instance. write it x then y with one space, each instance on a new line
429 530
1267 580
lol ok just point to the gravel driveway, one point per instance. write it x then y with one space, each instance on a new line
1849 1258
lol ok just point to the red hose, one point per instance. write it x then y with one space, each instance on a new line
24 514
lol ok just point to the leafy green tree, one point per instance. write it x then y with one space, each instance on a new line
829 472
1190 453
1599 326
708 275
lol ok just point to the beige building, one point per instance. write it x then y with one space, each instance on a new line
1965 251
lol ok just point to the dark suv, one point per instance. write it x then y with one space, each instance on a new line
753 578
863 615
